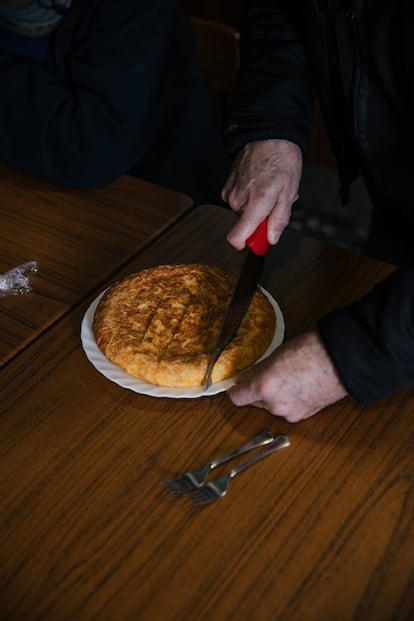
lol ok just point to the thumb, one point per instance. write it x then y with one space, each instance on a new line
242 394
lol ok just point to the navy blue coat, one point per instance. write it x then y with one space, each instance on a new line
119 92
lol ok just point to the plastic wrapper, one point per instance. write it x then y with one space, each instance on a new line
17 280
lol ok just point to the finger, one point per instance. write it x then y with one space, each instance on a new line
241 394
234 191
228 187
278 220
252 213
243 228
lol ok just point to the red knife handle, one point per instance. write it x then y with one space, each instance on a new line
257 241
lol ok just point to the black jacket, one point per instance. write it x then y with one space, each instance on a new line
360 65
119 91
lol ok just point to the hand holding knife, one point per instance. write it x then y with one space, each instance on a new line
252 269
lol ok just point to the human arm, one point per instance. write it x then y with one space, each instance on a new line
365 349
91 112
271 111
295 382
371 341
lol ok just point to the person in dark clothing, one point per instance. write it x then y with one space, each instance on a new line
357 57
92 90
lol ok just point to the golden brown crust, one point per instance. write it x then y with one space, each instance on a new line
161 324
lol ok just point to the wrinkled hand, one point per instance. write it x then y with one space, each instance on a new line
294 382
264 182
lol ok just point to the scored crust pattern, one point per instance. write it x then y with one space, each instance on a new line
160 325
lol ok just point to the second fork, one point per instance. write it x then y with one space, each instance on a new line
218 488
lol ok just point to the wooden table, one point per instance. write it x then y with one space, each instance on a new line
78 238
323 531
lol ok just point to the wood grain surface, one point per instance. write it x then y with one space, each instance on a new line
78 238
322 531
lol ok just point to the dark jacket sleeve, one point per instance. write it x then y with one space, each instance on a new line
274 93
90 113
372 340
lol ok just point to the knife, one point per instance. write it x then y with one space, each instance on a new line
252 269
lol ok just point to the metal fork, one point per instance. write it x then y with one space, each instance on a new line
218 488
196 478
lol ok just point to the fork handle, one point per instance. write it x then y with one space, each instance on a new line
278 443
260 440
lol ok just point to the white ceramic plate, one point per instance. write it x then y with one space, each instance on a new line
120 377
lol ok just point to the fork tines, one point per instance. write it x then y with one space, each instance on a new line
194 479
182 484
208 493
